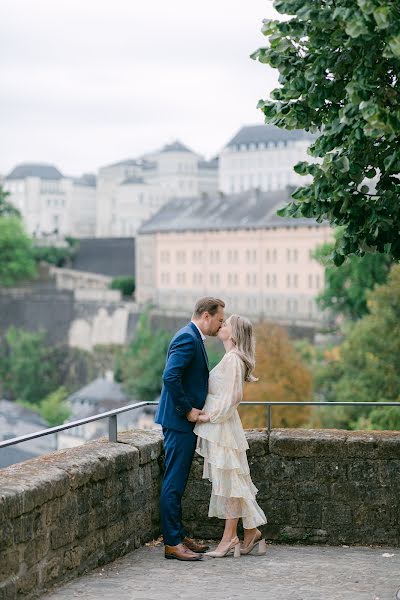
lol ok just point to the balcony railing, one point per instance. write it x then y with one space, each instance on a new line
112 416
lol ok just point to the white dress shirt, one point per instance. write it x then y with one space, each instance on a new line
203 337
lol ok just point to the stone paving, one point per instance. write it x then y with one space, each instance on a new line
287 572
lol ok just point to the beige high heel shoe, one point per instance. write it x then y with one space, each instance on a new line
233 545
260 543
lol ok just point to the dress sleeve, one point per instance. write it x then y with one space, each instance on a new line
232 393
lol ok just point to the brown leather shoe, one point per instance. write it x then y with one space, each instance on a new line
195 546
181 552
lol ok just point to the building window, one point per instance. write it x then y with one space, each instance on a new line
295 280
267 280
288 280
274 255
267 256
274 280
310 280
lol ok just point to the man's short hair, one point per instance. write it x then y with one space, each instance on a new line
207 304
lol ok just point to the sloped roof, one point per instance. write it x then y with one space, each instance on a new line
209 164
247 210
87 179
267 133
176 146
99 390
41 170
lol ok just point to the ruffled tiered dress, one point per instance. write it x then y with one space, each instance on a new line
222 443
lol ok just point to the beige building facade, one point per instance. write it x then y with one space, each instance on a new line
261 264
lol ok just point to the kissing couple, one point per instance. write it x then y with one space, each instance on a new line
198 411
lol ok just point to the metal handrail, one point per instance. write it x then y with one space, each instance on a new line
111 415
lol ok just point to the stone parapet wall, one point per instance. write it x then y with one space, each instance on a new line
74 510
316 486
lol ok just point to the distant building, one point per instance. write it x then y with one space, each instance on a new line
131 191
263 156
236 247
101 395
15 421
51 203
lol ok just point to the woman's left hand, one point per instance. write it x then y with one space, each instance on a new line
203 418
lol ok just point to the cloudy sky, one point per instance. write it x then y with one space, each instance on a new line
89 82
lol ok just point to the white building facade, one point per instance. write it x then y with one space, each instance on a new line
262 157
234 247
131 191
50 203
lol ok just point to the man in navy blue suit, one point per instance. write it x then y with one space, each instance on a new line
184 391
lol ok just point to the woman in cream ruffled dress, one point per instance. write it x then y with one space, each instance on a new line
222 443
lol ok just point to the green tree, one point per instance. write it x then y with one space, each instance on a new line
52 408
370 358
140 368
339 65
346 287
6 208
16 254
26 371
125 284
60 256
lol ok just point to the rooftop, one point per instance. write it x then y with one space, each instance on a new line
176 146
41 170
247 210
267 133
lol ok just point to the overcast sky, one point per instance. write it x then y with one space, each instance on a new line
89 82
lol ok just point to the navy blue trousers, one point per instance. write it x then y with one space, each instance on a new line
179 447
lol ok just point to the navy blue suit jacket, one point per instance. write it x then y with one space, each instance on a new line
185 379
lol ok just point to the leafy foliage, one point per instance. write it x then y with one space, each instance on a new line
140 368
125 284
16 255
60 256
53 407
346 286
282 377
6 208
339 65
30 369
365 368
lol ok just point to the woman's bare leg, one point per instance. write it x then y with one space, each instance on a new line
249 535
230 532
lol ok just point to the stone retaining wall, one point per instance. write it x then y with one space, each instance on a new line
317 486
73 510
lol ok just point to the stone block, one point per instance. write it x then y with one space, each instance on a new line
27 582
6 535
334 513
72 557
51 570
8 590
330 470
311 490
36 550
258 442
309 514
9 563
283 512
299 443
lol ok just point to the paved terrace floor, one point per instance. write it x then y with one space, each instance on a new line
287 572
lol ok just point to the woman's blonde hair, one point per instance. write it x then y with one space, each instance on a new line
245 343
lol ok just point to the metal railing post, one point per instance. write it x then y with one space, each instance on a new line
112 428
268 417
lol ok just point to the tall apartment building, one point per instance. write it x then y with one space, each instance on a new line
262 156
131 191
50 202
234 247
